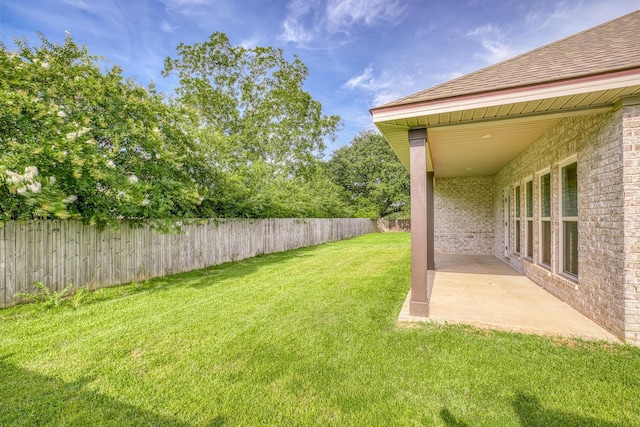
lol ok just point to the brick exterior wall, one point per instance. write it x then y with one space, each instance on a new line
464 215
596 140
469 215
631 188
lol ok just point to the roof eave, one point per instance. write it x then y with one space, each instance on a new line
585 84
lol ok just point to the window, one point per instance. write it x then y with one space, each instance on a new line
545 219
569 219
517 250
528 192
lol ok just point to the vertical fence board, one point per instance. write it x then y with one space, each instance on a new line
71 265
97 240
111 249
3 271
158 259
52 255
38 250
88 246
21 264
10 261
84 269
142 237
74 247
63 243
30 255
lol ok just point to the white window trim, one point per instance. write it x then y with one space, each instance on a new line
561 219
507 219
517 220
539 175
528 218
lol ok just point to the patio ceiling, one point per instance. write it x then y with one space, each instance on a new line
479 134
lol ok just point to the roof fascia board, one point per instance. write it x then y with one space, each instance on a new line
509 96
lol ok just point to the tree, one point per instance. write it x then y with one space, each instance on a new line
263 133
375 180
252 110
77 142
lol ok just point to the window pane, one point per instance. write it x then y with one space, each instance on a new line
530 239
545 195
517 236
570 190
546 243
529 190
571 247
518 201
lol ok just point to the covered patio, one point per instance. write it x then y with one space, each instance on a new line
483 291
533 161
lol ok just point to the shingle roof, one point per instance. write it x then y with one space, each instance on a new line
609 47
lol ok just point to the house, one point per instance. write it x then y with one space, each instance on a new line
535 160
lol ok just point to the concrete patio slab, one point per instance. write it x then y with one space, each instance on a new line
484 291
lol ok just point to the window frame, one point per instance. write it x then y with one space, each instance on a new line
544 219
528 221
565 219
517 194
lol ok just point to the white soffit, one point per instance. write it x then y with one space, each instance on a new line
579 94
476 148
484 148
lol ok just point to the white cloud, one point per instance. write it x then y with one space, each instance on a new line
539 19
341 14
565 18
491 38
80 4
199 11
293 29
250 43
180 4
318 24
542 23
167 28
364 80
388 85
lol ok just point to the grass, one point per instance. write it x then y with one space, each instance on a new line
306 337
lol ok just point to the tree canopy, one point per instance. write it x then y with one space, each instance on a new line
259 128
254 98
374 179
242 139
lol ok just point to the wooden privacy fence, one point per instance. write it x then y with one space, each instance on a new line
386 225
59 253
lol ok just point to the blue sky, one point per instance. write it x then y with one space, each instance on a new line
360 53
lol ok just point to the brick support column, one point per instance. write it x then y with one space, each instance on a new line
421 198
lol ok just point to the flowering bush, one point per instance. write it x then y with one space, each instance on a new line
79 143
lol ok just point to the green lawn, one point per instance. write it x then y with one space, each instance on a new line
305 337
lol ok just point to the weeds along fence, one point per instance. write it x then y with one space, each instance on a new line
59 253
